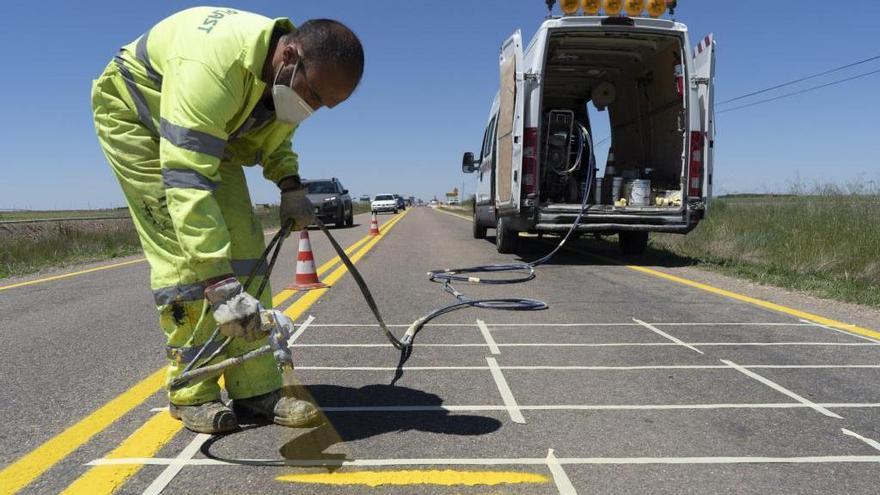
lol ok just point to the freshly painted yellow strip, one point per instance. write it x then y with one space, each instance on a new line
72 274
286 294
21 472
305 302
446 477
847 327
144 442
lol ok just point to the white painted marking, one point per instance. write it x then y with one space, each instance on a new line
159 409
165 461
666 335
781 389
563 484
593 407
299 331
614 344
506 395
593 368
873 443
493 347
564 325
172 470
848 334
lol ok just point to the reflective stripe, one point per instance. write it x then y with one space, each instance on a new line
183 355
187 179
191 139
258 117
242 268
140 103
179 293
140 53
196 291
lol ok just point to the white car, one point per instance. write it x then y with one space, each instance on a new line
384 202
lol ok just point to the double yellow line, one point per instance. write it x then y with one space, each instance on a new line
158 430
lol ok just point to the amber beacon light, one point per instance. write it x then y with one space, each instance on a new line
634 8
656 8
591 7
569 7
612 7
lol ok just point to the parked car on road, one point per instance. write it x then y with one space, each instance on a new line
384 202
332 201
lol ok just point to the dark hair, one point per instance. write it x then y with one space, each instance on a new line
326 40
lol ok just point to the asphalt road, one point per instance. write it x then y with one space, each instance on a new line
629 382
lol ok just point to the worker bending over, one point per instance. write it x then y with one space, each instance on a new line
178 113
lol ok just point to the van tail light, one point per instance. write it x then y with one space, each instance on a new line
695 170
529 162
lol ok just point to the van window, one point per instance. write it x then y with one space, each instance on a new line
488 139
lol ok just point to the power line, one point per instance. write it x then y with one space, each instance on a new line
802 79
814 88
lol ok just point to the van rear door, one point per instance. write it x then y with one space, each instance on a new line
510 125
704 71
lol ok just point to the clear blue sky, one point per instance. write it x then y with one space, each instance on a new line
430 75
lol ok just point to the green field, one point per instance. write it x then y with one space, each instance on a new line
30 247
826 244
47 214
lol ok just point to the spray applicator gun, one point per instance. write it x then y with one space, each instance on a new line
278 327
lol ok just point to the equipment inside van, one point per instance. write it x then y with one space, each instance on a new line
656 94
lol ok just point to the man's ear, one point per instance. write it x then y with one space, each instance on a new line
289 54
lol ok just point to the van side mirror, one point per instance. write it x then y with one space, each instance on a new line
345 191
468 165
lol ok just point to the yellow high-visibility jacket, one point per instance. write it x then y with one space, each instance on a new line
194 79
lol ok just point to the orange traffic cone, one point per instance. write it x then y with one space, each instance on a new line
306 274
374 225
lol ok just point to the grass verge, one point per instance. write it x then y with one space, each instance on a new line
826 243
29 248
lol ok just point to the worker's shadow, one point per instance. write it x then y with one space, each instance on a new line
346 426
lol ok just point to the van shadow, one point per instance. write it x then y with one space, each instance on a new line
350 426
604 249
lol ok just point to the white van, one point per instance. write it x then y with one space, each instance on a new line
655 91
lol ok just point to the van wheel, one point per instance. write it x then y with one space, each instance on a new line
349 220
632 243
506 239
479 230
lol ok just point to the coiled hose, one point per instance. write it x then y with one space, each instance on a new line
448 277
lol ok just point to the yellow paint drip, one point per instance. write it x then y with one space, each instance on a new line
446 477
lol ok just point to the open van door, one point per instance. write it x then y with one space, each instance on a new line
704 69
509 134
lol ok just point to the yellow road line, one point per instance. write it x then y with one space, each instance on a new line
72 274
453 214
144 442
302 304
21 472
158 431
286 294
866 332
445 477
839 325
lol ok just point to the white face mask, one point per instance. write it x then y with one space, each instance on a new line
290 107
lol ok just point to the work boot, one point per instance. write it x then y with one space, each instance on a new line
283 410
211 417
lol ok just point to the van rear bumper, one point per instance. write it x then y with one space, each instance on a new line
651 220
